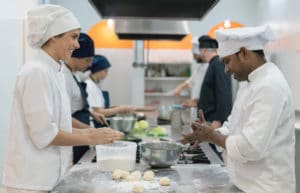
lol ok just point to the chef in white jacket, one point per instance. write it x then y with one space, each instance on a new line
259 150
41 135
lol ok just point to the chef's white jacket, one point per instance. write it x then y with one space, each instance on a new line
95 95
260 148
40 108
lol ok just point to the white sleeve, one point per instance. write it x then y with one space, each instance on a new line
36 95
264 112
191 80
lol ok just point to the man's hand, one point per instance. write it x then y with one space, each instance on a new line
201 131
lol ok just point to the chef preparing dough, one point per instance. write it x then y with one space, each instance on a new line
148 175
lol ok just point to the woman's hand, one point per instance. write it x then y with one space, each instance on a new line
104 135
100 118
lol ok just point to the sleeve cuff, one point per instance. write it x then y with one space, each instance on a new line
44 140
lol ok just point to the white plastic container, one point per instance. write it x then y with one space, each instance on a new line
118 155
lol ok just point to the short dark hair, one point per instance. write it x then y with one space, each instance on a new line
261 53
207 42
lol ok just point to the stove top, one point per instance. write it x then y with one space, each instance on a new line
204 154
193 156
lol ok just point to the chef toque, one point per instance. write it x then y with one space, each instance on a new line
46 21
252 38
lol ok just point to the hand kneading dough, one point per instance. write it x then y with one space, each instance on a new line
165 181
138 188
148 175
116 174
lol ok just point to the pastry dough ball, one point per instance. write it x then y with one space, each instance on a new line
148 175
137 175
131 178
138 188
165 181
124 174
116 174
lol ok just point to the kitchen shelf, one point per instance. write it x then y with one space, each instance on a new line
167 78
160 81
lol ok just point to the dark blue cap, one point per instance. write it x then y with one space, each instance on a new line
207 42
86 47
99 63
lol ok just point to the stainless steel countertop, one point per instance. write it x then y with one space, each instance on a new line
185 178
87 178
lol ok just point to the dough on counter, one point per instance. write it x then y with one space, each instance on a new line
137 175
116 175
164 181
124 174
131 178
148 175
138 188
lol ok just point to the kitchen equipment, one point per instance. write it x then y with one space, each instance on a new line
176 121
160 154
122 122
117 155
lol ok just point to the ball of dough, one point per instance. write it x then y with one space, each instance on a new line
148 175
138 188
116 175
131 178
124 174
165 181
137 175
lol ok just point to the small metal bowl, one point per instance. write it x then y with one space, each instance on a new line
122 123
160 154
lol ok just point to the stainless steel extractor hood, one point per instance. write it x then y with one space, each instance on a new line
152 19
168 9
151 29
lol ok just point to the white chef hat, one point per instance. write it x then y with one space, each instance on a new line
46 21
252 38
195 45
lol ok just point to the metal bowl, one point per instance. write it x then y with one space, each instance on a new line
160 154
122 123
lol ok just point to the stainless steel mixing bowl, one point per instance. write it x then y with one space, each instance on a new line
122 122
160 154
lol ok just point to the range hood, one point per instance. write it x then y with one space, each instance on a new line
152 19
159 9
150 29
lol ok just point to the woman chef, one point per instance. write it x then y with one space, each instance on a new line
41 134
99 71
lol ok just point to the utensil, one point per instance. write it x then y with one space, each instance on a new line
160 154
